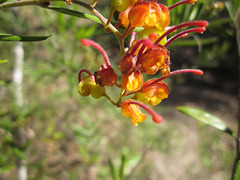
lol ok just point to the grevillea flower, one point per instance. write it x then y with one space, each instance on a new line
123 18
88 86
153 93
132 82
127 64
106 76
129 108
155 59
132 111
165 18
145 13
147 53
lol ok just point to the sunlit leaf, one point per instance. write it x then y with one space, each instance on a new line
3 61
121 170
75 13
10 37
112 169
205 118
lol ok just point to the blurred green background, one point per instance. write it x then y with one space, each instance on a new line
74 137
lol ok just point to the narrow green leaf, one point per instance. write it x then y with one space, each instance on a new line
75 13
10 37
205 118
3 61
121 170
237 171
112 169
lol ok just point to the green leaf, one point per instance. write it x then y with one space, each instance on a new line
237 172
75 13
19 153
10 37
122 166
3 61
112 169
205 118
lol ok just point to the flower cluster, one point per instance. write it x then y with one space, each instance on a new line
147 54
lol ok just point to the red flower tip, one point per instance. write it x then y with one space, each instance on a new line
157 118
200 30
86 42
191 1
201 23
198 72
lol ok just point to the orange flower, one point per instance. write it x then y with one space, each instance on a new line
153 59
165 18
145 13
132 82
153 93
132 111
123 18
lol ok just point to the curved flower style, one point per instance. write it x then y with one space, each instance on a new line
105 76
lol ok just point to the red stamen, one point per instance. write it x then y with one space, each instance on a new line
132 38
88 42
156 117
195 71
190 23
145 42
127 31
86 71
184 34
181 2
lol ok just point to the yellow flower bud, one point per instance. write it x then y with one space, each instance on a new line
88 86
120 5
